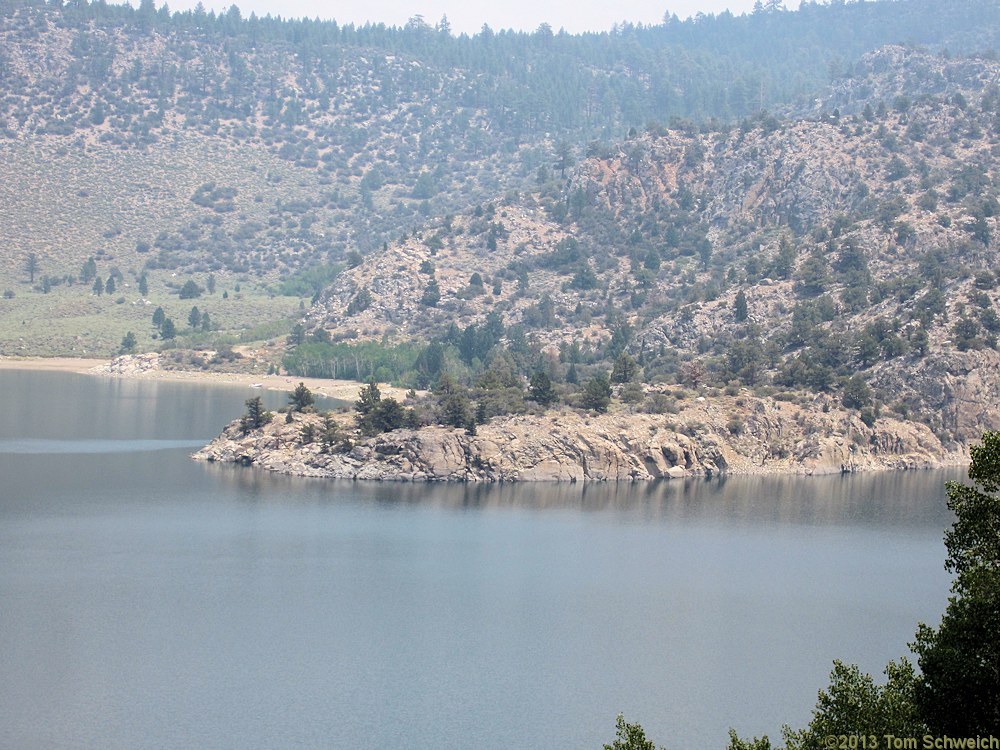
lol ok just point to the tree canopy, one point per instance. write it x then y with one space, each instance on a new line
376 414
301 398
959 692
630 737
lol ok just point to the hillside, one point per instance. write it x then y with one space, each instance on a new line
843 254
270 153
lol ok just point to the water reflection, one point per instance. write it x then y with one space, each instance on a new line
901 499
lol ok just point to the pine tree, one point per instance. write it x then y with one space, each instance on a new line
255 417
541 390
332 437
784 261
190 290
31 267
128 343
597 393
625 369
366 406
740 307
301 398
368 398
297 335
88 271
432 294
456 409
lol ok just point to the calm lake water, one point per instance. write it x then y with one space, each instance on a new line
150 601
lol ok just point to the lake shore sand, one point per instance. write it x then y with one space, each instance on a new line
50 364
346 390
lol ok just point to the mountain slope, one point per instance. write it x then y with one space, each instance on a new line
382 126
862 245
260 157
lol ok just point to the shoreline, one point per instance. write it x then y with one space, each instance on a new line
564 445
81 365
343 390
615 447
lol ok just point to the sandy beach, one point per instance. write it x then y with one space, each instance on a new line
50 364
346 390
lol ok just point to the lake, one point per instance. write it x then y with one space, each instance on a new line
150 601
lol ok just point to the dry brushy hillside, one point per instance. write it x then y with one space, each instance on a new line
859 245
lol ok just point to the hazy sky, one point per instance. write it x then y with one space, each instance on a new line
573 15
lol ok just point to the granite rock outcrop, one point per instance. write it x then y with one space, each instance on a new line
735 436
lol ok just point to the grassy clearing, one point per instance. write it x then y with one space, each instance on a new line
72 321
72 202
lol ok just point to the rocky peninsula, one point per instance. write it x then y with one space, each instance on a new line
739 435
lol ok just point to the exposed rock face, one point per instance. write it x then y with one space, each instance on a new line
130 364
720 436
963 388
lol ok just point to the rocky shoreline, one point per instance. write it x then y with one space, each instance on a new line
711 437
